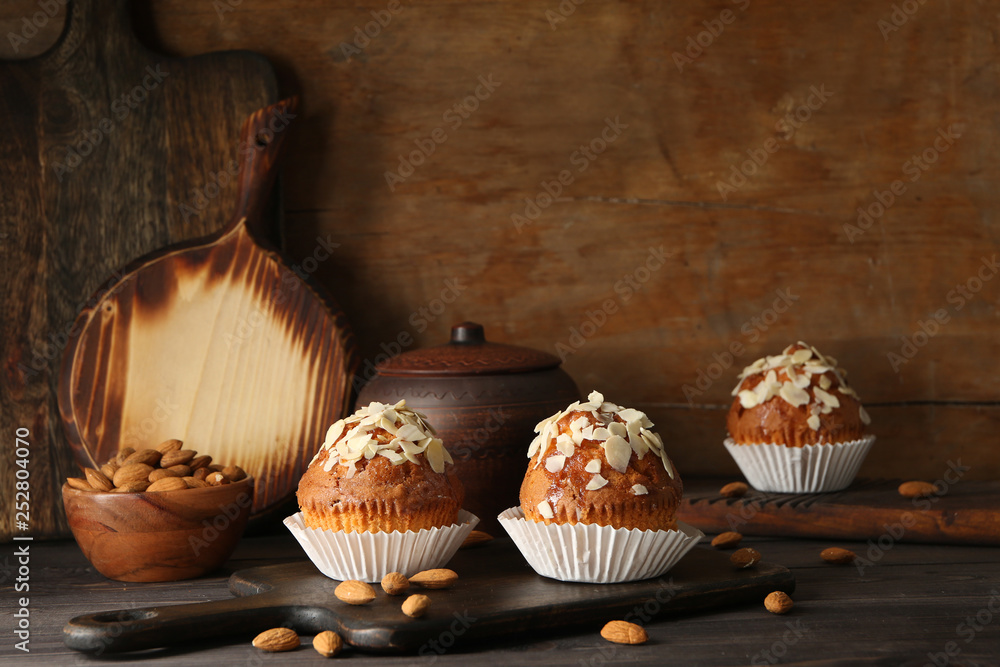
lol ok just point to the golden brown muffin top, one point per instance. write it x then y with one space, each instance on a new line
599 433
800 384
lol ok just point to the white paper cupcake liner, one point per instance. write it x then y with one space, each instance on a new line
597 554
809 469
371 556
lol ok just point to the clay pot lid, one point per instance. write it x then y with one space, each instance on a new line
469 353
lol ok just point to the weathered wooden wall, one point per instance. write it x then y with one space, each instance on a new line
445 233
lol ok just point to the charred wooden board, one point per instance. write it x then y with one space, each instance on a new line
252 362
105 143
496 594
962 513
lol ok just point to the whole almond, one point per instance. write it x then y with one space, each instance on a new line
180 469
623 632
132 487
123 454
395 583
727 540
354 592
80 484
438 578
734 490
132 472
169 446
917 489
837 555
778 603
148 456
98 480
202 461
416 605
109 468
167 484
276 640
160 473
328 643
216 479
235 473
200 473
195 483
745 557
177 457
475 538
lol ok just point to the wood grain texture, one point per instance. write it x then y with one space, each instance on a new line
220 341
963 512
892 613
656 186
104 141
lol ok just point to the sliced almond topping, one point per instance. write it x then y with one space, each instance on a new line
794 395
596 482
824 382
667 465
601 433
410 432
566 445
545 509
593 466
826 398
618 452
748 398
801 356
617 428
639 490
555 463
865 419
596 397
813 422
435 455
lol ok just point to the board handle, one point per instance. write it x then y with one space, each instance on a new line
157 627
261 138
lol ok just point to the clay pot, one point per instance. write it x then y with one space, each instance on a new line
160 535
484 399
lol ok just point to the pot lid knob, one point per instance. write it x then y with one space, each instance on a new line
468 333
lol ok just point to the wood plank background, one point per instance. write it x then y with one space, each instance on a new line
443 239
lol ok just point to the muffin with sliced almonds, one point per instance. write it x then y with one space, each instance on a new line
795 425
599 499
380 496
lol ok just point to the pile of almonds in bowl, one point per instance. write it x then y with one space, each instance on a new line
167 467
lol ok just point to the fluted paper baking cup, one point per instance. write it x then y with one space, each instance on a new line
597 554
371 556
808 469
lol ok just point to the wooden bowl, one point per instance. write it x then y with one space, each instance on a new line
159 536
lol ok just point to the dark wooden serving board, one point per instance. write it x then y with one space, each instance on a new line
965 513
496 594
91 182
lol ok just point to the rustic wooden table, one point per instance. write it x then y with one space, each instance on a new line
911 606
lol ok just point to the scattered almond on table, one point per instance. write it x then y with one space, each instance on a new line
276 640
166 467
745 557
837 555
354 592
734 490
395 583
917 489
328 643
439 578
778 603
416 605
623 632
476 538
727 540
